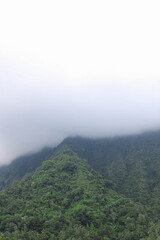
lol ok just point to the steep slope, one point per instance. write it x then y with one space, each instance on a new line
132 163
22 165
66 199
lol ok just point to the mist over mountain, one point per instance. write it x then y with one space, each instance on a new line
79 120
44 113
77 68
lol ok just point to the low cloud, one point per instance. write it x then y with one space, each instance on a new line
88 68
38 111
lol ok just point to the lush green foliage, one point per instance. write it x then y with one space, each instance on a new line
132 163
66 199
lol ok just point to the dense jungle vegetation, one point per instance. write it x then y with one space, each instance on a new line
84 189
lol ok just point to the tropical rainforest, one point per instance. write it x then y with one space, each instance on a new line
101 189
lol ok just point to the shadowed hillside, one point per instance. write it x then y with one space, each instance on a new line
22 165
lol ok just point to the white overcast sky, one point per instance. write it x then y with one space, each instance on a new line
89 68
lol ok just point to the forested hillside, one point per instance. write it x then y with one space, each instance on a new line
66 199
132 163
84 189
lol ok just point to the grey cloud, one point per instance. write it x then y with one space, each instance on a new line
37 111
63 74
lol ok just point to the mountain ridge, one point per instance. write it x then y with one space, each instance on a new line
100 188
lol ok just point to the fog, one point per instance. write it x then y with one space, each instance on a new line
68 68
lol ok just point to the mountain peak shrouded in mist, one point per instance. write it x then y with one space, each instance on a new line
83 68
41 114
101 153
83 79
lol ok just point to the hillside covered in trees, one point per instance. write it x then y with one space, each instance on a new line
84 189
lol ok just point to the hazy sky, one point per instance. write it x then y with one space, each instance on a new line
89 68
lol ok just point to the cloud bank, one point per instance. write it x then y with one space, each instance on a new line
89 68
